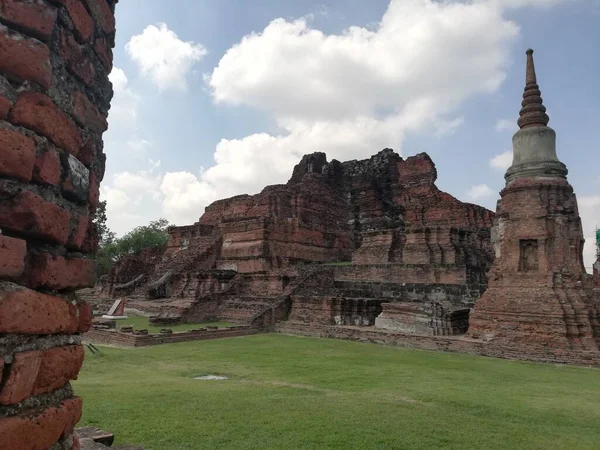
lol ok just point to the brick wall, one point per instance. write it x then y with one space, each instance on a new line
55 57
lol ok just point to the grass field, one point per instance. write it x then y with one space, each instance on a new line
142 323
290 393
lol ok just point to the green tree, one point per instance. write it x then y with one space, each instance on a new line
111 248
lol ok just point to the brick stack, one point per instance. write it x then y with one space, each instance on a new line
55 57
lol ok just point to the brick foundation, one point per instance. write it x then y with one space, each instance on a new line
54 100
114 337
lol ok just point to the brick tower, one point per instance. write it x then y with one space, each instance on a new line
540 300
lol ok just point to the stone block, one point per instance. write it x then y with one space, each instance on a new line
17 155
39 113
28 213
58 366
24 59
57 272
22 377
24 311
34 17
12 256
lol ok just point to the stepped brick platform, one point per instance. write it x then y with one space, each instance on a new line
130 339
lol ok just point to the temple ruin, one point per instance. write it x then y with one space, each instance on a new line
373 250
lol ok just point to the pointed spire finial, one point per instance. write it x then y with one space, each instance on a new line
533 112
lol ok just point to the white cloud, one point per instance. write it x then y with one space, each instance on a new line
449 127
506 125
348 94
502 161
479 191
589 211
124 104
163 57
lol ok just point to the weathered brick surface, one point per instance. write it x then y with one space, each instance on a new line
39 431
5 105
23 58
82 21
30 214
35 17
54 97
22 377
88 114
58 366
85 317
17 155
39 113
12 256
58 272
47 169
24 311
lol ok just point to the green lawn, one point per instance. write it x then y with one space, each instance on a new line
142 323
301 393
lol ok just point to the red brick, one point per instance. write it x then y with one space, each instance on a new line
17 155
57 272
30 214
21 379
103 14
90 243
36 18
5 105
24 59
79 232
59 365
47 168
78 63
42 431
76 444
39 113
82 21
87 115
94 192
12 256
87 152
85 317
23 311
104 52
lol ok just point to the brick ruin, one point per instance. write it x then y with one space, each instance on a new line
371 242
54 99
373 250
539 299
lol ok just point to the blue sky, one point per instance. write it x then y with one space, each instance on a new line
217 98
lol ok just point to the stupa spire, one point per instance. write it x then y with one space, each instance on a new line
533 112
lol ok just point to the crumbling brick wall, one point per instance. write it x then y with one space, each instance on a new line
55 57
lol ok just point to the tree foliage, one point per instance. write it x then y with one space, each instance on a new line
111 248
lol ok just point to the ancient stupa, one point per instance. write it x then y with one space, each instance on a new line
539 300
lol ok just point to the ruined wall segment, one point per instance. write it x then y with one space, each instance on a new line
55 57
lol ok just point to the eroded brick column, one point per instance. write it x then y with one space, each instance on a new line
55 57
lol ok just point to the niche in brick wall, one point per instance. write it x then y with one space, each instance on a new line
528 256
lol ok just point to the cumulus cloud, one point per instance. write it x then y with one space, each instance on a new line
449 127
348 94
506 125
164 58
124 104
502 161
479 191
